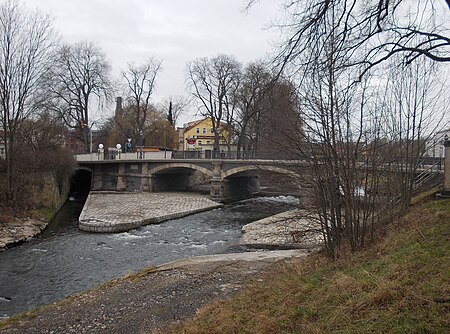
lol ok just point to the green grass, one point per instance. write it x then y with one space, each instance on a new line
398 285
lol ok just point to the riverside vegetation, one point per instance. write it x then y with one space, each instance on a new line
399 284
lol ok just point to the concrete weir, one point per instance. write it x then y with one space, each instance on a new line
109 212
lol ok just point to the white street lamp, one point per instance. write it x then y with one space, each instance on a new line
118 147
100 152
90 133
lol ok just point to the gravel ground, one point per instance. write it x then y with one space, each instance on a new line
152 300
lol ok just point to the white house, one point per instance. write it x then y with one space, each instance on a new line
435 144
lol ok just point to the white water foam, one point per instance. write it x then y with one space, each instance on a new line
41 250
128 236
197 246
279 199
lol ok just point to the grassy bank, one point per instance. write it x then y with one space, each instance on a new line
398 285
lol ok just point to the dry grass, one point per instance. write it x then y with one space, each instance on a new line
398 285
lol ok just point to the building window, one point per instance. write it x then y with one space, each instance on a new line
212 130
198 130
208 142
204 130
200 142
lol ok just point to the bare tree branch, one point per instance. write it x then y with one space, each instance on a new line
79 73
26 42
213 81
140 84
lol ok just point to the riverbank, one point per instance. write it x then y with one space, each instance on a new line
16 231
397 285
151 299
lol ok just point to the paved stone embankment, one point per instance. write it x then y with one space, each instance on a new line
293 228
19 230
119 212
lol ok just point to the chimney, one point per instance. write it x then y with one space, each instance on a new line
118 105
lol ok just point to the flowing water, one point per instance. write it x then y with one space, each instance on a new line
63 260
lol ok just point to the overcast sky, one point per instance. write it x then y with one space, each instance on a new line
176 31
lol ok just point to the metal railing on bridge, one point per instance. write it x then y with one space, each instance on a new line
189 155
100 156
235 155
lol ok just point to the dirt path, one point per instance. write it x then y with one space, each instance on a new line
154 299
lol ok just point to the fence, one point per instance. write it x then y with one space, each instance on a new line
118 155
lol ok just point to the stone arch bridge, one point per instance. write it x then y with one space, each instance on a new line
225 179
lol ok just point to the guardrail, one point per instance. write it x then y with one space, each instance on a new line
200 155
161 155
235 155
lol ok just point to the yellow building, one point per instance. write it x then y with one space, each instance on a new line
199 136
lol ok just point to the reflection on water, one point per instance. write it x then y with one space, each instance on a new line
64 260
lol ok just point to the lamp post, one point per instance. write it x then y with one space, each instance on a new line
141 148
128 145
90 133
101 156
184 141
119 150
165 144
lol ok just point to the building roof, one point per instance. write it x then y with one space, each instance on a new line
193 124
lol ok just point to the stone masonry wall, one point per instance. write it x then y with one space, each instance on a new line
49 191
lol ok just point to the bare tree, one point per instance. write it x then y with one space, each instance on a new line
26 43
174 107
415 106
213 82
140 83
377 30
363 132
280 121
79 73
254 85
42 155
268 118
45 132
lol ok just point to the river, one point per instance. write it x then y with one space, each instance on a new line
63 260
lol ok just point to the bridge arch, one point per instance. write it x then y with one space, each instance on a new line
84 168
247 168
170 166
81 182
